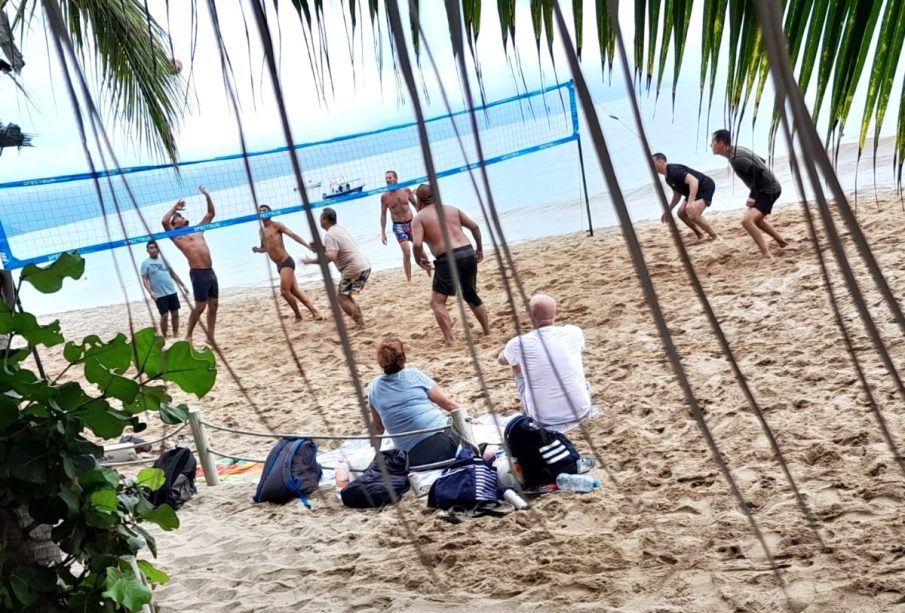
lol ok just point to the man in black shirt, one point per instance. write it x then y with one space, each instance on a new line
696 187
763 186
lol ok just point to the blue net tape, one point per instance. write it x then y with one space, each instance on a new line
42 218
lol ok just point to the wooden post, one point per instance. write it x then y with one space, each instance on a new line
141 577
463 428
208 464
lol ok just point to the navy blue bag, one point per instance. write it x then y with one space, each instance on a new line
542 454
291 471
370 491
466 483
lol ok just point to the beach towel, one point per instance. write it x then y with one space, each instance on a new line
234 470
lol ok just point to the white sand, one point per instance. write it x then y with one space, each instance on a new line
669 536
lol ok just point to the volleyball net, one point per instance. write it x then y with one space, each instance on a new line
41 218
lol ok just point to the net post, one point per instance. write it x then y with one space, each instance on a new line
584 186
576 132
208 464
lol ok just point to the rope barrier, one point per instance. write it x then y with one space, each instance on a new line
440 464
341 437
129 463
155 441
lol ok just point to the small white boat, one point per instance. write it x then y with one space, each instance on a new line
309 185
338 189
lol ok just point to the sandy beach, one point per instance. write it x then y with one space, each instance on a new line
664 533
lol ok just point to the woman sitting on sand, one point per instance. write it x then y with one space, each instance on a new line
402 400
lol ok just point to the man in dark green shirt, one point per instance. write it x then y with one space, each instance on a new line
763 186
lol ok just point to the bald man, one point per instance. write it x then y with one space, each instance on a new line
558 399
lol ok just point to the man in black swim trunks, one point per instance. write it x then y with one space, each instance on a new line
399 202
765 189
426 229
696 187
272 244
194 247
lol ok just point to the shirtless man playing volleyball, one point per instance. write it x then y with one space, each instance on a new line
399 202
272 244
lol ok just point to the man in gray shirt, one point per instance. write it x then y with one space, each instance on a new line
763 186
341 249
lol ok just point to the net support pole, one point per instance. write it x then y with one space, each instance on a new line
208 463
584 187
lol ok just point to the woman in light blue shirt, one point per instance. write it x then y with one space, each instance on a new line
402 400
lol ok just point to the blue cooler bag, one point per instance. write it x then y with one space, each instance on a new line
466 483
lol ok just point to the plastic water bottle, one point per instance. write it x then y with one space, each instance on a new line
341 473
576 483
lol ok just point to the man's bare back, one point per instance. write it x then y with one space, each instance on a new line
429 221
398 202
195 249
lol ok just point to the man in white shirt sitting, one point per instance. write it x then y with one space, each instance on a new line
549 371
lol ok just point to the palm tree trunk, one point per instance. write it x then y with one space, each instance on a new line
31 546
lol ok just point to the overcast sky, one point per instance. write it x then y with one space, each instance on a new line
363 97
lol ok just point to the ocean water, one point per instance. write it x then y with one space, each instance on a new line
536 196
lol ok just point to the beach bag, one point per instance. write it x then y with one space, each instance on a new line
178 466
542 454
466 483
370 491
291 471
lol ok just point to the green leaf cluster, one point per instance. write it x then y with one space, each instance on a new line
49 470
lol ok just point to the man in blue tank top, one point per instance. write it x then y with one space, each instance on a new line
697 189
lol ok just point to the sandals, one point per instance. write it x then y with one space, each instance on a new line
458 514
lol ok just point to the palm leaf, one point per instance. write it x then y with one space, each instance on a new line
136 77
893 55
853 55
653 20
578 16
606 38
639 38
11 135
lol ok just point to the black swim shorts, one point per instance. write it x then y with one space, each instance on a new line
165 304
467 265
706 190
287 263
764 201
204 284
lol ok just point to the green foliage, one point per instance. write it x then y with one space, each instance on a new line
50 470
137 79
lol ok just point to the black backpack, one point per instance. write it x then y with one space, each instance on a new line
291 471
370 491
542 454
178 466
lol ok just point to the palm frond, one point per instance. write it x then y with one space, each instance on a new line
137 79
11 135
